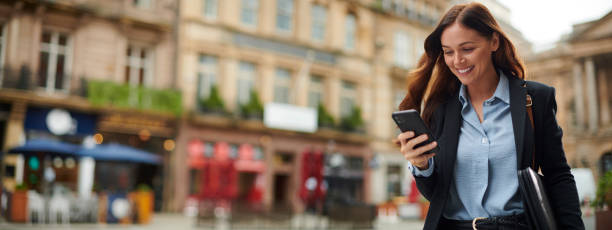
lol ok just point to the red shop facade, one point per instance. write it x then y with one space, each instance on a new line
221 161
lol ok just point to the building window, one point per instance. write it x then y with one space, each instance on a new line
246 81
138 67
248 14
54 61
403 49
319 17
284 15
347 98
143 4
282 86
350 28
210 9
207 75
315 91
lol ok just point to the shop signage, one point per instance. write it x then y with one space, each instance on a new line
290 117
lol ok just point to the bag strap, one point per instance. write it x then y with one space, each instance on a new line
529 105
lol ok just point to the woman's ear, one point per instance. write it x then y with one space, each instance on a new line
494 42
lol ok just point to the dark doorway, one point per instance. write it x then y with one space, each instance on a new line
281 187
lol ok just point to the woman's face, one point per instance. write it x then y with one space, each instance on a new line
468 54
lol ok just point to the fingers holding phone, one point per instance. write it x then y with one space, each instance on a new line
414 151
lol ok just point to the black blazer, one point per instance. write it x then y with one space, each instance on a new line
561 187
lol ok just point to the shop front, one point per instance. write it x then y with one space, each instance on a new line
275 170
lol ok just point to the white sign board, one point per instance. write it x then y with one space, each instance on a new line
290 117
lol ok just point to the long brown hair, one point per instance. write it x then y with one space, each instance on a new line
474 16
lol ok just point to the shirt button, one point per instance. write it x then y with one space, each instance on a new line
485 140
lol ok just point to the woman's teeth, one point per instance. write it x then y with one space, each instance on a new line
465 70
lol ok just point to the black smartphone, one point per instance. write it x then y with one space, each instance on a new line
410 120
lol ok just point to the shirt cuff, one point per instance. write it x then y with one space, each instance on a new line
422 173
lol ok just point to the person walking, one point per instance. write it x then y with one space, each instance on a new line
470 84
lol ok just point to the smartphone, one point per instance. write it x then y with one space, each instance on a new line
410 120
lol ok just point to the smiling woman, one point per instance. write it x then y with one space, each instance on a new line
476 109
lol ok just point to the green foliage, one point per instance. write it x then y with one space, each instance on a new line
213 103
104 93
604 191
253 108
324 119
144 187
353 122
21 187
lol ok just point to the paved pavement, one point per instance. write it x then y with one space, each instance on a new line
170 221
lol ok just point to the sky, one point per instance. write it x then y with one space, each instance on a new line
543 22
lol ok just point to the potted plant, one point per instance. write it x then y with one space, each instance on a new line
213 104
324 119
19 203
353 122
603 198
253 109
144 203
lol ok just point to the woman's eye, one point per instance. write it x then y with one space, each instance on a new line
468 49
448 52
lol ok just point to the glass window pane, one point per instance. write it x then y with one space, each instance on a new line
319 17
46 37
350 28
210 8
248 14
42 69
63 40
59 72
284 15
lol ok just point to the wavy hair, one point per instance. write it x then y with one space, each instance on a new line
431 65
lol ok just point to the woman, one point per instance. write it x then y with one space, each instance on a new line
476 109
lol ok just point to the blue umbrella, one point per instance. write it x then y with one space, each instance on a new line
46 146
118 152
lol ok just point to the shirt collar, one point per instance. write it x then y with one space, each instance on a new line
502 92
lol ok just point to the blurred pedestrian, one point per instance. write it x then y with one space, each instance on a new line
476 109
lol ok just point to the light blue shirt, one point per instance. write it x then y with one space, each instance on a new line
485 178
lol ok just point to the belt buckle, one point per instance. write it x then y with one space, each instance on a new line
476 219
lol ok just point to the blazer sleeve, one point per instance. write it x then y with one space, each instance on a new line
559 182
427 185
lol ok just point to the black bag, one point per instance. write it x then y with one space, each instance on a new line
537 209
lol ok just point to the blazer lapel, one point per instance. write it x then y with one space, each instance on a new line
518 113
453 121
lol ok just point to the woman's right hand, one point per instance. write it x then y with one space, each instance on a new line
416 156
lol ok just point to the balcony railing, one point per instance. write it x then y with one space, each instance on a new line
98 93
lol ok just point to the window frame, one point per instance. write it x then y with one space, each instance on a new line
284 10
350 31
283 83
54 50
207 73
213 6
347 94
316 89
245 78
318 22
249 8
134 63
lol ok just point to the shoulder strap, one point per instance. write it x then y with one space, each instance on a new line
529 105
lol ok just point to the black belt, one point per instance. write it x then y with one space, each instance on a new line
498 222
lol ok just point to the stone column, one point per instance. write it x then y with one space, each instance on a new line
589 67
578 96
604 98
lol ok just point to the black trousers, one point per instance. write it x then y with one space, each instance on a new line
516 222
